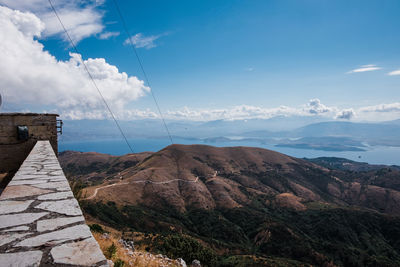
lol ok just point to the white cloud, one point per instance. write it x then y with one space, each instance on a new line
365 68
380 112
124 114
346 114
107 35
31 75
235 113
392 107
141 41
242 112
395 72
315 106
81 18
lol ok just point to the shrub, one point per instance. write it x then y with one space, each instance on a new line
96 228
180 246
111 251
119 263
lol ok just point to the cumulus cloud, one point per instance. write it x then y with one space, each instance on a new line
395 72
81 18
31 75
346 114
364 68
315 106
141 41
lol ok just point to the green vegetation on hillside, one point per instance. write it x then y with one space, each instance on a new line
188 248
322 237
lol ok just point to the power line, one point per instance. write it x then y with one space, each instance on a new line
91 77
141 67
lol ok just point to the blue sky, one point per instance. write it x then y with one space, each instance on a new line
208 55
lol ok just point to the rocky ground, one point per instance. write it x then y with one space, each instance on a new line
126 252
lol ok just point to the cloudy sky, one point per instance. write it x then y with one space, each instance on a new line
205 59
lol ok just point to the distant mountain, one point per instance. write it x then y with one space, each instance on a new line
275 124
247 201
277 130
349 129
324 143
348 165
394 122
105 129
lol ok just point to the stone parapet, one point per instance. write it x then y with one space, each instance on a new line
41 223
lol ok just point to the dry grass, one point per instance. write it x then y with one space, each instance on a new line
289 200
132 258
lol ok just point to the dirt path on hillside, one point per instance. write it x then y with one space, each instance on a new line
138 182
102 187
146 182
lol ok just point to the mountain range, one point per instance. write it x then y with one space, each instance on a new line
310 133
246 206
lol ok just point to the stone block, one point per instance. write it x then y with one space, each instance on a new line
13 206
67 207
21 259
68 234
17 191
52 224
19 219
84 253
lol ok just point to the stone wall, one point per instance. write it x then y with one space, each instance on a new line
14 151
41 223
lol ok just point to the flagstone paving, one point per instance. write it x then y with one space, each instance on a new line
41 223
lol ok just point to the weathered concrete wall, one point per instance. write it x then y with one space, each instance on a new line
14 151
41 223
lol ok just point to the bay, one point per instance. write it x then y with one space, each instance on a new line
373 155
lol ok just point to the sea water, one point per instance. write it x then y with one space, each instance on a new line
373 155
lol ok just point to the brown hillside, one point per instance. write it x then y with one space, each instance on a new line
206 177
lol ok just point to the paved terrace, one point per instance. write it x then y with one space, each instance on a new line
41 223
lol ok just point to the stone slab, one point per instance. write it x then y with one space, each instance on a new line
41 178
10 237
54 185
26 182
19 176
20 219
18 228
10 206
17 191
52 166
85 253
67 207
32 173
55 196
56 237
21 259
52 224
